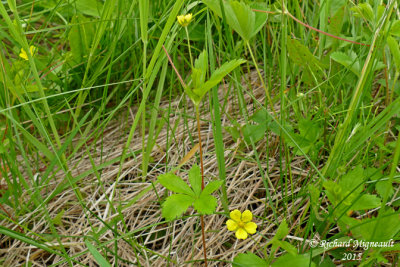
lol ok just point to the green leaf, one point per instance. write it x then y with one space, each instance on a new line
349 62
96 255
195 179
384 186
199 71
286 246
253 132
336 21
217 76
364 10
395 29
248 260
57 219
80 37
205 204
395 50
211 187
375 229
282 231
352 180
89 7
240 17
293 261
366 202
175 184
175 205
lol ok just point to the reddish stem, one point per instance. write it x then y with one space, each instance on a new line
311 27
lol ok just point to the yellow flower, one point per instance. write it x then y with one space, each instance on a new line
241 223
32 50
184 20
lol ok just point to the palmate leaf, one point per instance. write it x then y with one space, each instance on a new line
195 179
217 76
175 205
175 184
240 17
205 204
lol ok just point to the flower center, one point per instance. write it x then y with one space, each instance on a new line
241 224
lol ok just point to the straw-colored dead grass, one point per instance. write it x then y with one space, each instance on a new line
143 229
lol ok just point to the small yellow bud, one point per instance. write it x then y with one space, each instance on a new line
184 20
24 55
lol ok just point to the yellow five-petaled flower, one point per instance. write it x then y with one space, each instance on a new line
24 55
184 20
241 223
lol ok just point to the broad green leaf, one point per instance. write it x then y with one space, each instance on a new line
89 7
349 62
286 246
205 204
175 205
395 29
253 132
195 179
386 227
383 188
282 231
200 70
352 180
96 255
366 202
293 261
364 10
211 187
336 21
248 260
175 184
395 50
240 17
301 56
217 76
80 37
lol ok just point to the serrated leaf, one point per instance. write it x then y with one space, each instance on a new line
205 204
253 132
395 29
349 62
217 76
352 180
366 202
395 50
248 260
364 10
211 187
175 205
282 231
384 187
240 17
200 70
195 179
375 229
175 183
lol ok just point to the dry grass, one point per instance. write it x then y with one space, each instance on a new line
144 225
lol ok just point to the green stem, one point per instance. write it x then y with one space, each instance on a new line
190 51
262 81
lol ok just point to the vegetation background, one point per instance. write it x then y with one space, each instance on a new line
304 133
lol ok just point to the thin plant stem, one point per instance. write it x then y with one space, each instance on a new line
190 51
262 81
202 184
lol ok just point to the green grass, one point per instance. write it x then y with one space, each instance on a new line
310 125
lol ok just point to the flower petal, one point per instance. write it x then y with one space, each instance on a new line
235 215
250 227
247 216
241 234
231 225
